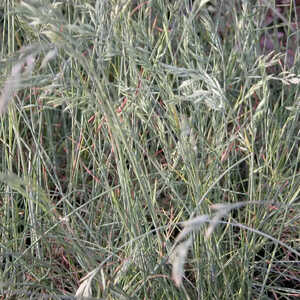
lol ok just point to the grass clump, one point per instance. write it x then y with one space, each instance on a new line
148 150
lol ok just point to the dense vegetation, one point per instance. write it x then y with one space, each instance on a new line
149 149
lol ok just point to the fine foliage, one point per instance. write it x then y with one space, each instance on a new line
149 149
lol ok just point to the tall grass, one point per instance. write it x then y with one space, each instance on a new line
148 151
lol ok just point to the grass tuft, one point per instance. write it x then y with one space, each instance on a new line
149 150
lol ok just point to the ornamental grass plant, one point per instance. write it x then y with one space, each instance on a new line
149 149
